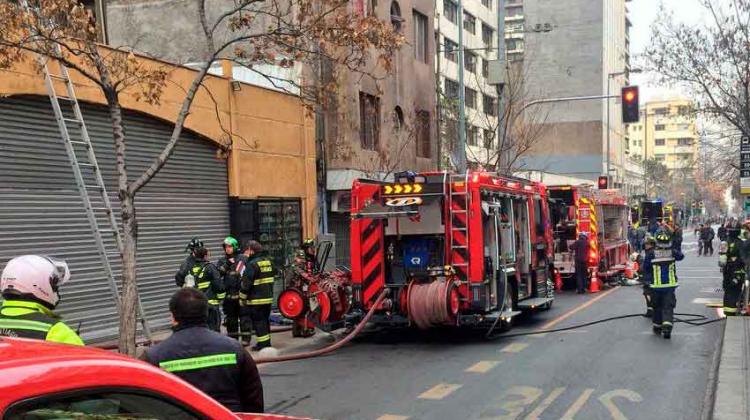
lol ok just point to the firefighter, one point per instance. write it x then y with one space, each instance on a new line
215 364
30 286
580 249
227 266
648 244
198 272
734 267
660 271
256 292
308 247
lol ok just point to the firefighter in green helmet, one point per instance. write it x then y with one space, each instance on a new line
227 265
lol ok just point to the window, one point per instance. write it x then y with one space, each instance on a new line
487 3
659 142
420 37
514 11
470 97
659 158
369 120
451 89
470 61
514 44
489 138
471 135
488 35
92 404
396 18
683 127
661 111
659 127
488 105
685 142
451 49
398 119
514 27
485 68
515 56
470 23
683 110
423 134
450 10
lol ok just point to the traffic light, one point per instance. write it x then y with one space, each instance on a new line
603 183
629 98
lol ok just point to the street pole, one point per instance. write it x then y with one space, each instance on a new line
501 57
645 151
438 109
461 147
609 77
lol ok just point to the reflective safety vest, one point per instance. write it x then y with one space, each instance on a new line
198 272
25 319
664 276
257 281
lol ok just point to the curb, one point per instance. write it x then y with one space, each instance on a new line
731 402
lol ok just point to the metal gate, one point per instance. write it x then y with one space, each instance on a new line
41 210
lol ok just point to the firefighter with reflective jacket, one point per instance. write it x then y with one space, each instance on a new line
30 285
660 272
733 267
256 291
197 272
227 266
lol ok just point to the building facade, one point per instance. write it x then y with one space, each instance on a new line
584 53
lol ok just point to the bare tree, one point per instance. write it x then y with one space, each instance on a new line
278 33
520 127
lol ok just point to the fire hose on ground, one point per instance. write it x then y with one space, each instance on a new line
333 347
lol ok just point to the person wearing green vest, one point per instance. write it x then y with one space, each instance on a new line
660 273
256 291
199 273
30 289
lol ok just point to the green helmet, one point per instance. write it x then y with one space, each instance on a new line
229 240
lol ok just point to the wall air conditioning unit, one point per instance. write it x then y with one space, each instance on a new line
341 202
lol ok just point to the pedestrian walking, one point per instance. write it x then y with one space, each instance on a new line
722 232
660 272
227 266
256 292
580 250
708 245
211 362
30 287
198 272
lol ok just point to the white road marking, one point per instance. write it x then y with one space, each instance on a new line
607 400
534 415
577 405
439 391
706 301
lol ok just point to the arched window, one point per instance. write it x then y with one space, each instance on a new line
398 119
396 19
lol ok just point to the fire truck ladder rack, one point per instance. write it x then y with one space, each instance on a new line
87 173
459 201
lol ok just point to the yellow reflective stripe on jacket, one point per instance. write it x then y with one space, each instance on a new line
214 302
221 295
24 324
204 285
671 281
264 280
201 362
264 338
266 301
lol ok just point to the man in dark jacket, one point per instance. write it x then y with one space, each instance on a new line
256 291
722 232
227 266
580 249
196 271
707 237
211 362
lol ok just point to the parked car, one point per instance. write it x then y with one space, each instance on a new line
40 380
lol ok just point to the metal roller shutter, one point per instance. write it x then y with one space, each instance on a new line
41 211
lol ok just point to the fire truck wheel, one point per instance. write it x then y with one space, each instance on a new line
512 299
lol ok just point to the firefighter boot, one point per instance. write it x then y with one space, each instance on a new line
666 330
657 329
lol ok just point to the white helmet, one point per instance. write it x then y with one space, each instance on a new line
39 276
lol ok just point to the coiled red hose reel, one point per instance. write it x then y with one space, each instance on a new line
433 304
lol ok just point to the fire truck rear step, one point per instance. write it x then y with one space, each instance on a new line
534 303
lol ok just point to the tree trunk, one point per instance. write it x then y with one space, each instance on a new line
129 224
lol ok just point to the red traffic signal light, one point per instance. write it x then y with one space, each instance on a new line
629 98
603 183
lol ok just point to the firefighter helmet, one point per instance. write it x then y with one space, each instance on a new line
194 244
733 228
649 241
34 275
229 240
663 238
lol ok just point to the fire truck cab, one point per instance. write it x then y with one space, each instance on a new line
457 250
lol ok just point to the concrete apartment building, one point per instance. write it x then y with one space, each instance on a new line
586 50
667 132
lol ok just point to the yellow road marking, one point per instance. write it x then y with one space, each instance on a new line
574 311
439 391
577 405
514 347
534 415
483 367
392 417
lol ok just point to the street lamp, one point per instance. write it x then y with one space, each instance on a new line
610 76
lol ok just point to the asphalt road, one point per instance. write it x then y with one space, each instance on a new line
617 370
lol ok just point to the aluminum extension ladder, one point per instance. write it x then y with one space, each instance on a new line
452 194
87 175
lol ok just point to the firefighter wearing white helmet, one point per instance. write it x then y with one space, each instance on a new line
29 285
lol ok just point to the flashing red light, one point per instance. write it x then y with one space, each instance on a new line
629 96
630 111
603 183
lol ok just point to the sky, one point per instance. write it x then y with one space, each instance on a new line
642 13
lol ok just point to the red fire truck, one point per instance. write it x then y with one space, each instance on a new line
603 215
470 249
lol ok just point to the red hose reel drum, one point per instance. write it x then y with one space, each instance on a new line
293 304
433 304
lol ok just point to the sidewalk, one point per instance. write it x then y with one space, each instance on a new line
732 387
